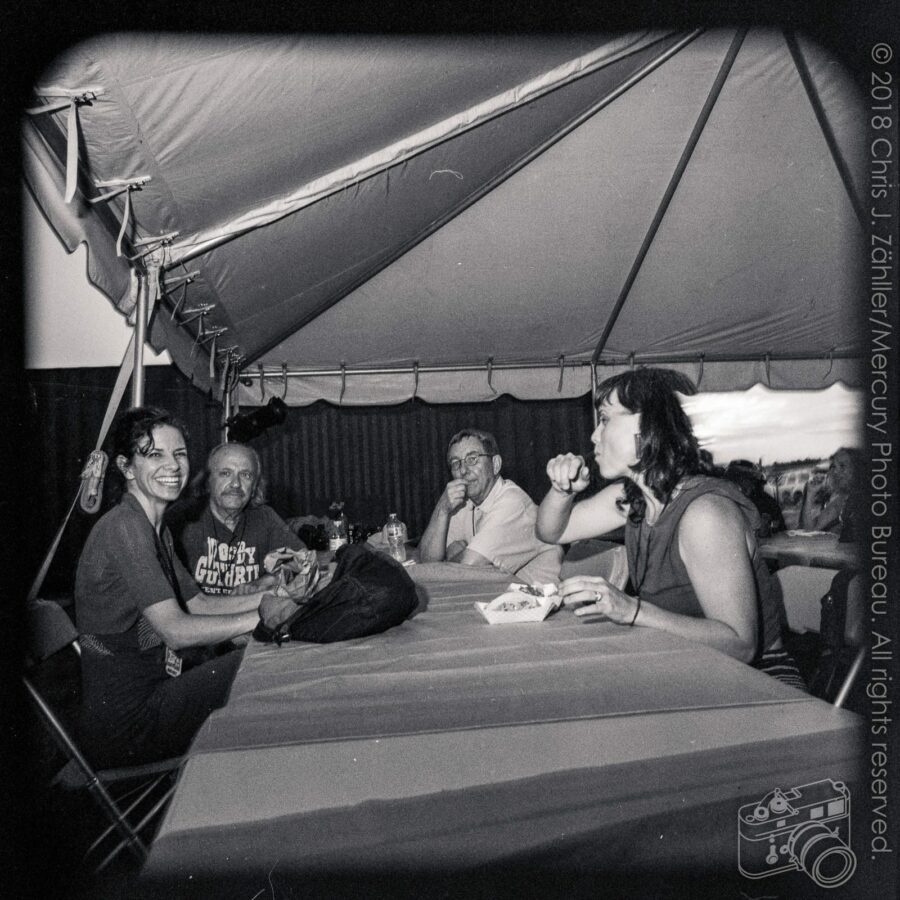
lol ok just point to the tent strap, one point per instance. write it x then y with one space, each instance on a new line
72 99
125 372
120 186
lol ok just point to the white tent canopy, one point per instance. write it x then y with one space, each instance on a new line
457 217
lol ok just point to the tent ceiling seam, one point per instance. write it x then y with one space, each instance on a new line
488 186
405 149
822 119
669 193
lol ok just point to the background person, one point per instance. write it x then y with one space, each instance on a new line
483 519
223 535
835 505
690 539
140 614
751 481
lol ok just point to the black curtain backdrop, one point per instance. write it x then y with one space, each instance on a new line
376 459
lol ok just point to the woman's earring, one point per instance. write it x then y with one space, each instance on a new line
637 446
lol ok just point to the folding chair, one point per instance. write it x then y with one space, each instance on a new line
842 633
828 603
142 792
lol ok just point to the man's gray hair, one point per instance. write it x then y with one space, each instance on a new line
488 441
200 484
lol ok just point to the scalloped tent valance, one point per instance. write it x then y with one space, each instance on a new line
462 216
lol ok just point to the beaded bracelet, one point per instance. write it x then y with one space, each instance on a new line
636 611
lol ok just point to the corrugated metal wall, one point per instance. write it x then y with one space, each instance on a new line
376 459
393 459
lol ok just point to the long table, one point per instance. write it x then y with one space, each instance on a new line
515 760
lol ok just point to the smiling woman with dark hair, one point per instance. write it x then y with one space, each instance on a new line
147 681
690 539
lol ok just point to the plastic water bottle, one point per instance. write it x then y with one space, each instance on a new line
337 527
394 534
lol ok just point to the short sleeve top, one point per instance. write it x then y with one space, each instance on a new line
501 529
220 559
658 573
120 572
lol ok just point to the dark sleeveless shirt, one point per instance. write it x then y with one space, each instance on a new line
658 573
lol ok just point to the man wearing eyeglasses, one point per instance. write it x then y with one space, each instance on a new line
483 519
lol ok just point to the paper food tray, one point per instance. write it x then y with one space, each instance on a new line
497 611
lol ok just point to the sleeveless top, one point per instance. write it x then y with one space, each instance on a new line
659 576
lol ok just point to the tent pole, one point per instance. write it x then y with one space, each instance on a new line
827 131
140 336
674 181
281 372
261 373
650 360
594 412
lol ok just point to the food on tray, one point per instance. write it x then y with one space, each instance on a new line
521 603
536 590
502 604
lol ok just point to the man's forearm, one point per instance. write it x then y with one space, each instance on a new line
223 604
433 543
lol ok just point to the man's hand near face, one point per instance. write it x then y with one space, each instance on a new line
432 546
454 496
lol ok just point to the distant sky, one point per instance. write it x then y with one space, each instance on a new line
65 313
776 426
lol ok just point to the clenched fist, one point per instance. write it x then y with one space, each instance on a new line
568 473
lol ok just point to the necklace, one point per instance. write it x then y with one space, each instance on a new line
642 555
236 534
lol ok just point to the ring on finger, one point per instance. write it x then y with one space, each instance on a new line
598 596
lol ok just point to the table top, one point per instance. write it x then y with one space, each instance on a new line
817 549
445 732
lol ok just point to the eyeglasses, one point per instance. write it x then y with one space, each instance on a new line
470 459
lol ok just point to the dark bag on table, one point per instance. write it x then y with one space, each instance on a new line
369 593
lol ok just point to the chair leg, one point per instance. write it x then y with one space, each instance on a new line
844 692
129 838
145 820
145 791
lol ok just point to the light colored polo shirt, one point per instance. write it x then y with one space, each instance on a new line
501 529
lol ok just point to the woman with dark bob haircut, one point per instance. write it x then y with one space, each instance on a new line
690 539
149 675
